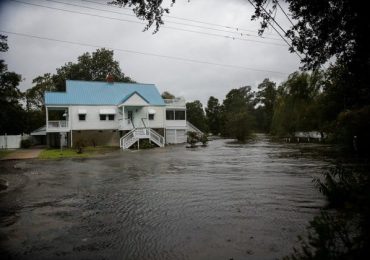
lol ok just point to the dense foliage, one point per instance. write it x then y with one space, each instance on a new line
150 10
11 112
342 232
213 115
90 67
195 115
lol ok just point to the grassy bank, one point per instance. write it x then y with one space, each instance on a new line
72 153
4 153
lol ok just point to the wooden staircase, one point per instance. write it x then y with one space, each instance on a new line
141 133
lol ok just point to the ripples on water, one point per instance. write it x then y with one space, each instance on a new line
217 202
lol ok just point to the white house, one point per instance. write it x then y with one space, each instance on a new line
112 113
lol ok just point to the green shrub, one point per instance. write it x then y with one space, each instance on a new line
343 232
80 144
203 139
26 143
144 144
192 138
353 128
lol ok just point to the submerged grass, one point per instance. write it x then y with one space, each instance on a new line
72 153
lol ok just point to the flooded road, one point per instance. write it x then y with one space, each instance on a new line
224 201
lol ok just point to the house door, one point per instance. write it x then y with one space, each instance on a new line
130 116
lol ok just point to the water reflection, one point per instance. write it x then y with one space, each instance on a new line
217 202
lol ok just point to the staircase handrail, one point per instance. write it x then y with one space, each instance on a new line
142 120
121 141
194 127
157 138
138 133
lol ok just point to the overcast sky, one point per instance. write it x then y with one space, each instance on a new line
32 57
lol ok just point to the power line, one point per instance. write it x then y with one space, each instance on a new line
141 53
137 22
178 23
185 19
284 13
282 37
272 18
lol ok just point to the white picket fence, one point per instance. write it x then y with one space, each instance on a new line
12 141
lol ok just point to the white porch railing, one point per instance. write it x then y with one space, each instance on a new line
156 138
57 125
141 133
175 102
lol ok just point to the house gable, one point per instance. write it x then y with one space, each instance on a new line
135 99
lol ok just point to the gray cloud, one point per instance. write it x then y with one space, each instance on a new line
33 57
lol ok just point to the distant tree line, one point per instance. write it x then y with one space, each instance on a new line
316 101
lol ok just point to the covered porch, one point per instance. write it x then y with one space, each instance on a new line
57 119
135 117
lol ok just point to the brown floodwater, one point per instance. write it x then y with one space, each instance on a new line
223 201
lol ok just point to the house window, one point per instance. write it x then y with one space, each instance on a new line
110 117
82 117
170 115
151 116
175 114
103 117
179 115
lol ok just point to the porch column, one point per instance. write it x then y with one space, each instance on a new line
71 139
47 117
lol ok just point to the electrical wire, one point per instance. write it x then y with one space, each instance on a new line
184 19
273 27
178 23
141 53
137 22
285 13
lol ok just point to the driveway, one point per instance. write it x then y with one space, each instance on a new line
23 154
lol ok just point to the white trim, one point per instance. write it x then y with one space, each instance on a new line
82 111
151 111
107 111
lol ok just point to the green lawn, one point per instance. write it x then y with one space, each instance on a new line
72 153
4 153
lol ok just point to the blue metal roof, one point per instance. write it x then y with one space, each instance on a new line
102 93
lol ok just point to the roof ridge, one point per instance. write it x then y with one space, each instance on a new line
56 92
117 82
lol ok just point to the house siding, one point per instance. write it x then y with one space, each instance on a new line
142 113
92 121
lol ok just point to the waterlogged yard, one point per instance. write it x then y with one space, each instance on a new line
218 202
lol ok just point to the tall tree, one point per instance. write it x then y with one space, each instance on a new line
327 29
90 67
265 97
213 114
35 95
11 111
297 104
195 115
237 118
